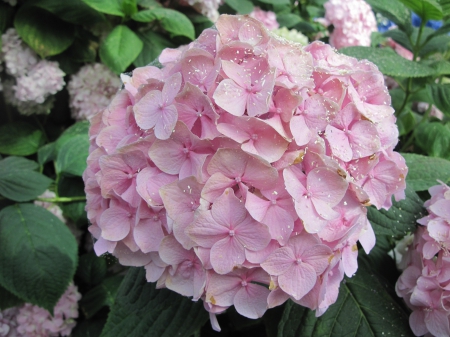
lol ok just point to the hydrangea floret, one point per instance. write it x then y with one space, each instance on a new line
91 89
353 22
30 320
424 283
238 172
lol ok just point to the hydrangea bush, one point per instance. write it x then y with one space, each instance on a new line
186 172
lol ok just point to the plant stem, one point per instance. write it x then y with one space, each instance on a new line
62 199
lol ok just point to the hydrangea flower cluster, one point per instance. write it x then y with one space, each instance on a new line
32 321
35 79
424 283
239 172
91 90
353 22
291 35
208 8
268 18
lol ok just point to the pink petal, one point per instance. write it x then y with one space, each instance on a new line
148 234
227 254
279 261
251 301
115 223
298 280
231 97
338 141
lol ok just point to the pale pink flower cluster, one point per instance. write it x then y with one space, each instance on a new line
8 324
353 22
425 281
50 206
208 8
35 79
32 321
239 172
268 18
91 90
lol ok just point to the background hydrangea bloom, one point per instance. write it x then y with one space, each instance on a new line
32 321
353 22
91 90
268 18
258 169
291 35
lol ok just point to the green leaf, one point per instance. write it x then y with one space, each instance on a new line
112 7
445 5
8 299
89 328
240 6
80 128
73 187
120 48
19 163
288 20
73 11
46 153
400 219
20 139
129 7
277 2
174 22
426 9
441 67
154 43
91 269
441 96
20 184
38 254
425 171
44 32
394 11
438 44
389 62
72 156
406 122
434 139
102 295
364 308
140 310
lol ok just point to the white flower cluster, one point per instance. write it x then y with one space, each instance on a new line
291 35
91 90
208 8
35 79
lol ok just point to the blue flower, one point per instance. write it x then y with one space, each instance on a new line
433 24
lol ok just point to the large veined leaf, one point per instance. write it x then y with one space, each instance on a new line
112 7
80 128
154 43
394 11
140 310
20 139
8 299
400 219
425 172
434 139
72 156
389 62
364 308
19 181
120 48
102 295
240 6
44 32
174 22
426 9
441 96
38 254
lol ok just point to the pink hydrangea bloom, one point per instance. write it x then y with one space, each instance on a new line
32 321
239 172
8 323
353 22
426 265
268 18
91 89
208 8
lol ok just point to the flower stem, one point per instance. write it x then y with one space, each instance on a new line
62 199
